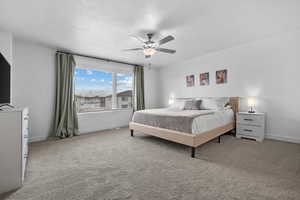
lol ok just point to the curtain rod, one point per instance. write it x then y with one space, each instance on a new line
94 57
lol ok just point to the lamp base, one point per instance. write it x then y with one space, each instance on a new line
251 110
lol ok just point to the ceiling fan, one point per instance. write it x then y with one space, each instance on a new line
150 47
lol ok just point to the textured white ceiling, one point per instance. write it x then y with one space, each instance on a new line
102 27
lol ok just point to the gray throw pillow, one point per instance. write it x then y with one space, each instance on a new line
192 105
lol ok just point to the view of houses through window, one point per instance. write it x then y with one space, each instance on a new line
97 90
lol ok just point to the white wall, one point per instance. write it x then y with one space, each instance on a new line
34 85
91 122
267 68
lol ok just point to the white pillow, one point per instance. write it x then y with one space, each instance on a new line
209 104
178 104
214 103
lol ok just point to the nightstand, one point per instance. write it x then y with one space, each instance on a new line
250 125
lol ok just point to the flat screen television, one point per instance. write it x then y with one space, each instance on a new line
4 80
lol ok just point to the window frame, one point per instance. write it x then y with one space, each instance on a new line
114 97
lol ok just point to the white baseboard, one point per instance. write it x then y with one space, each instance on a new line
100 130
43 138
37 139
283 138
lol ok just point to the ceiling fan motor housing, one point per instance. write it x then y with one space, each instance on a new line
150 36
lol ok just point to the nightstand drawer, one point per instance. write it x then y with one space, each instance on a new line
249 130
256 120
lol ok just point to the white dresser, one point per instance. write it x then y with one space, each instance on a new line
250 125
13 148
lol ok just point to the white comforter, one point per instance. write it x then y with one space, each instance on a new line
208 122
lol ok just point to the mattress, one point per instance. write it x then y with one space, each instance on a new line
188 121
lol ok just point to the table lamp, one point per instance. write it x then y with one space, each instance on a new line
251 104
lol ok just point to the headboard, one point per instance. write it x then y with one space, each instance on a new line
233 101
235 104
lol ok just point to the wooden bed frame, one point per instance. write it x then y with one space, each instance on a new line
186 138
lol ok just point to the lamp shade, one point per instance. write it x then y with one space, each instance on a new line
171 101
251 102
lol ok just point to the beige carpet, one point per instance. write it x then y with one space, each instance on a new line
113 165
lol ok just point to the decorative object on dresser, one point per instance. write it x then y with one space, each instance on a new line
13 148
251 125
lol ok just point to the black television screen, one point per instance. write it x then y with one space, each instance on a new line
4 80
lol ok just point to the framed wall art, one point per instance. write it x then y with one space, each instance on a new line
221 76
190 81
204 78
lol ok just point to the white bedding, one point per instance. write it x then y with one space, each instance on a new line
208 122
188 121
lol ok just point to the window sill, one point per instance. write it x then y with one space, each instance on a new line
105 111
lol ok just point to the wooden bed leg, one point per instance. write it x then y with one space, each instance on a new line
193 152
131 132
219 139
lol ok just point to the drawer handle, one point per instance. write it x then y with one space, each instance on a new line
25 155
248 119
25 136
248 130
26 118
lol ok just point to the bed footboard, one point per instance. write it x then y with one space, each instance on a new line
171 135
181 137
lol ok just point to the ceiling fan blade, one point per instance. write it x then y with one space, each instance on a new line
166 39
134 49
165 50
138 38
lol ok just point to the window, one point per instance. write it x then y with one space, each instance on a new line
97 90
124 90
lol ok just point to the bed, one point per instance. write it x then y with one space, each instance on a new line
189 127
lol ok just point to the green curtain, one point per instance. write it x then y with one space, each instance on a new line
65 121
139 88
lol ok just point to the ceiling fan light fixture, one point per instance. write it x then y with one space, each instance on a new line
149 51
150 47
